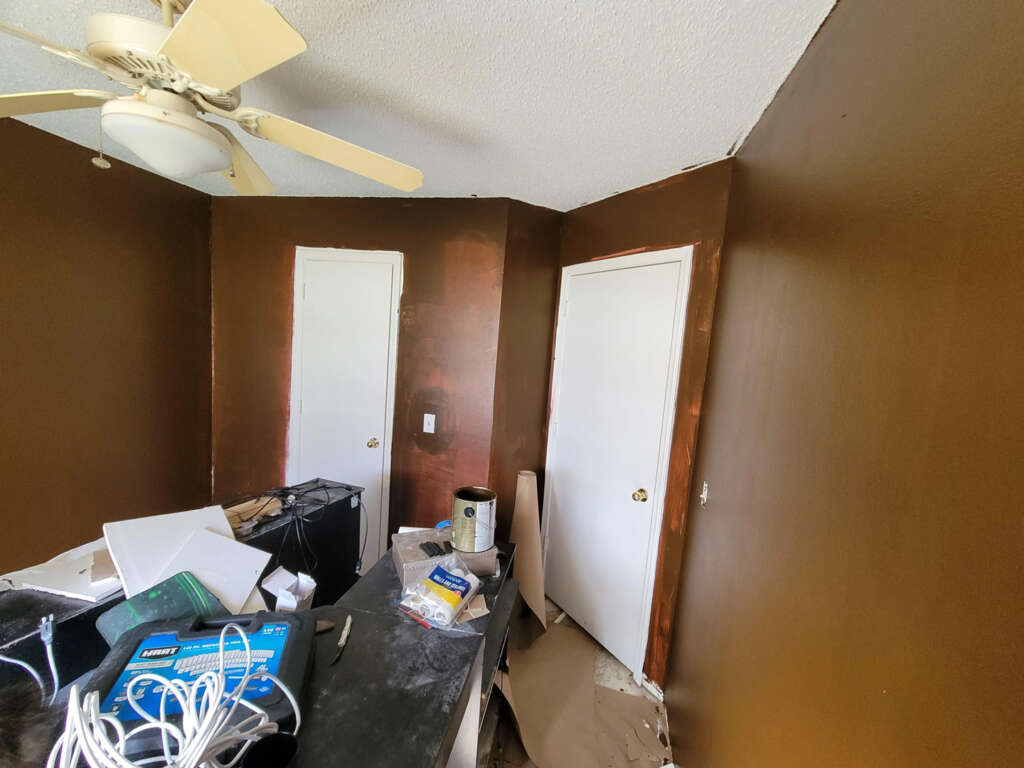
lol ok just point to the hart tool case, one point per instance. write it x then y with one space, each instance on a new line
280 643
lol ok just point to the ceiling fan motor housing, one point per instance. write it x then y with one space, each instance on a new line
133 44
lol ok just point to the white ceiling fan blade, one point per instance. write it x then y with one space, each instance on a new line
13 104
335 151
244 174
223 43
79 57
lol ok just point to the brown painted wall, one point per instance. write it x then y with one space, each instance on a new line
528 294
684 209
105 342
454 255
853 590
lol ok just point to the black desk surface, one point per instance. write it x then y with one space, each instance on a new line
399 691
21 609
77 646
395 698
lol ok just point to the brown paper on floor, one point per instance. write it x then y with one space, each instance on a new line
553 693
564 718
525 534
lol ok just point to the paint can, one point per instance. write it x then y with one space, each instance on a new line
473 518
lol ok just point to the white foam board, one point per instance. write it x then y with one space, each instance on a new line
226 567
142 548
68 574
255 602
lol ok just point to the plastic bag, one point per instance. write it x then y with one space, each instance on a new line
438 599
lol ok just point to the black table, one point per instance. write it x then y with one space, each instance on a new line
318 532
402 694
77 645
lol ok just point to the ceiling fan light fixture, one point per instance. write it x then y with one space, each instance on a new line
197 65
165 136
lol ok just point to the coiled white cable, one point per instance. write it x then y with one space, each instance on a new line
205 732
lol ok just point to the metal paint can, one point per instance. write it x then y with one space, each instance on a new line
473 518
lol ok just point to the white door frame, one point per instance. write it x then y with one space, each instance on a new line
683 255
304 255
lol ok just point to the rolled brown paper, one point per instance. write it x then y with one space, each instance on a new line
525 535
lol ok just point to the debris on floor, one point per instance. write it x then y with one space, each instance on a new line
628 729
569 708
508 748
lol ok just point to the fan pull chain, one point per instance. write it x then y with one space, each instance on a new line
101 161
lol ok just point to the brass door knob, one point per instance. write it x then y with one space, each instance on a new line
640 494
372 443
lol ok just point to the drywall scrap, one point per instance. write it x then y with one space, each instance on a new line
247 515
71 574
525 534
627 729
476 608
564 718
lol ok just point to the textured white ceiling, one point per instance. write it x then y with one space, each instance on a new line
554 102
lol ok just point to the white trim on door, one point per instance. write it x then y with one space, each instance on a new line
303 255
683 255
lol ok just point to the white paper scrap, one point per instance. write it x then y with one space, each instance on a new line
293 593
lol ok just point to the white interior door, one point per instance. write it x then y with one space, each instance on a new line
345 337
617 356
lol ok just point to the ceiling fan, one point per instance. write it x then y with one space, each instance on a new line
181 70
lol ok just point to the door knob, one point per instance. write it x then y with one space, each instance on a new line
640 494
372 443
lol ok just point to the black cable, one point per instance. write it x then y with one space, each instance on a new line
298 521
366 533
300 534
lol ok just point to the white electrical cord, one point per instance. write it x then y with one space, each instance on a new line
31 670
205 731
46 634
53 672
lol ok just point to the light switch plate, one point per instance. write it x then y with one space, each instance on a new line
428 423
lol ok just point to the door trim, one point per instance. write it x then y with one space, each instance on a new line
684 256
304 255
